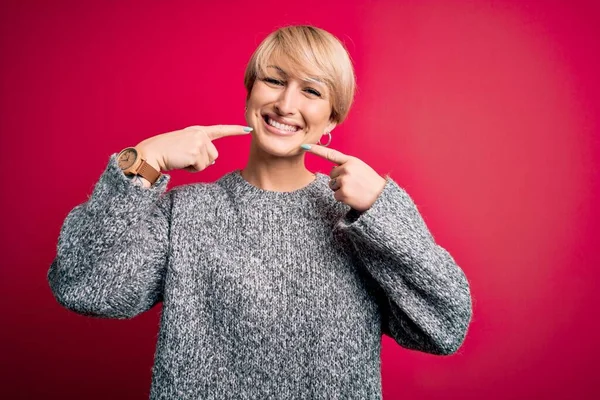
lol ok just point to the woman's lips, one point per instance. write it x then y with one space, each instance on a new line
277 131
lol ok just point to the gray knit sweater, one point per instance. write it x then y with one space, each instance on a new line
266 295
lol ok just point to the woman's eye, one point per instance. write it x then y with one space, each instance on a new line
273 81
313 92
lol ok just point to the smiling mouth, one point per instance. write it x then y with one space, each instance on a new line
279 125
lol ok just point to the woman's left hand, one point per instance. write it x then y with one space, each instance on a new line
354 182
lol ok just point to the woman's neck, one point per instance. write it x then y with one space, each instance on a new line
278 174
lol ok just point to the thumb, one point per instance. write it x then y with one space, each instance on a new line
332 155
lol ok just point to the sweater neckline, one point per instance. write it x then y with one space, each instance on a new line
241 188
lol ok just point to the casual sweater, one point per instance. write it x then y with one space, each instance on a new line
266 295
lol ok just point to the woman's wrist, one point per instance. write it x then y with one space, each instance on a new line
147 154
138 180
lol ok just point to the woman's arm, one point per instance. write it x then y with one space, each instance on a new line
427 305
113 249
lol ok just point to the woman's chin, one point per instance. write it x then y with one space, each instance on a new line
280 149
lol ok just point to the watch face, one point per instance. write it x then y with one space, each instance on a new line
127 158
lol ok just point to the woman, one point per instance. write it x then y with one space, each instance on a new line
275 282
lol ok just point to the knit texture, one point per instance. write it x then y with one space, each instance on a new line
266 295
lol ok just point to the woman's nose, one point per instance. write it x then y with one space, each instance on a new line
286 104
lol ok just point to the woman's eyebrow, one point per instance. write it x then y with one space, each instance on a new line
278 69
315 80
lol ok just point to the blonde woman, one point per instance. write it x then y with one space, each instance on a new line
276 282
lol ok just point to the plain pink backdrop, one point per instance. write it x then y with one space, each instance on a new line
486 112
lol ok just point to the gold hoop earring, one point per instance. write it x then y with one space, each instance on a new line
328 142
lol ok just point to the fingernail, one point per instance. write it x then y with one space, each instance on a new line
248 129
306 146
214 161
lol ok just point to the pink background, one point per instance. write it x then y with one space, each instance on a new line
486 112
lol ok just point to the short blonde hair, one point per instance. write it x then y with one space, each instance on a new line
311 52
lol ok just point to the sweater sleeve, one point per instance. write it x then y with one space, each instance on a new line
427 301
112 250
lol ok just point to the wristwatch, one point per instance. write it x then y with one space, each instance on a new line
132 162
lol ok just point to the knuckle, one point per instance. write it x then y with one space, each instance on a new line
201 135
201 141
196 150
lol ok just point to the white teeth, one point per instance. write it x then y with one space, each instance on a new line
281 126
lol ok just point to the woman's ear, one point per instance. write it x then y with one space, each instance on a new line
331 126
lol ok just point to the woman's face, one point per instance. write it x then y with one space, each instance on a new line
286 112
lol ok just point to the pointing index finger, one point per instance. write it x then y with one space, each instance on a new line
332 155
219 131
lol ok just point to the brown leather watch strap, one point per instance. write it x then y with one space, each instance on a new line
148 172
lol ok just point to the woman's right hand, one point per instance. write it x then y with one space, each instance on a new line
190 148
